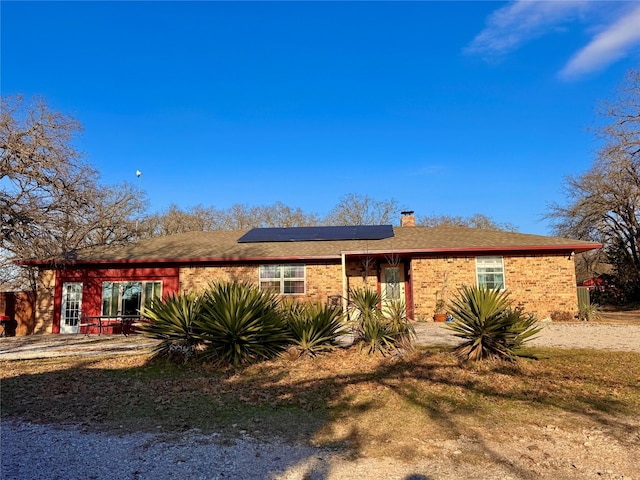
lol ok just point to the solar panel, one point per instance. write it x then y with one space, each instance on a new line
317 234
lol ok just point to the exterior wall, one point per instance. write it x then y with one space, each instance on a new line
322 280
45 301
543 284
20 308
362 273
540 284
197 278
92 279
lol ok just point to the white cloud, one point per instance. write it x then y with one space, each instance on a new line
607 47
509 27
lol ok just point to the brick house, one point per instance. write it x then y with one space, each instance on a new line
316 264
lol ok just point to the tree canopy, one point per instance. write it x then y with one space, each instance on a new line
603 203
51 202
477 220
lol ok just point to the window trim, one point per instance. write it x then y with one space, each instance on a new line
502 272
281 279
120 283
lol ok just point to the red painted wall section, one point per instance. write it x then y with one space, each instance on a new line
92 285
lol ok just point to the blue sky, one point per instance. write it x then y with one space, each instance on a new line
451 108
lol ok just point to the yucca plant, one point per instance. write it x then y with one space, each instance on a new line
363 306
375 330
395 311
172 321
489 326
377 335
240 323
315 327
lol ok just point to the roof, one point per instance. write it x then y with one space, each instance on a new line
222 245
317 234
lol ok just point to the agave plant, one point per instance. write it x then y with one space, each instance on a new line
363 306
172 321
375 330
315 328
395 311
489 326
240 323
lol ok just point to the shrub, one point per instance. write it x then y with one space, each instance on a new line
172 321
375 330
395 311
589 312
488 325
561 316
363 307
314 328
239 324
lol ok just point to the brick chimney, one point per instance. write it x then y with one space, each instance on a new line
408 219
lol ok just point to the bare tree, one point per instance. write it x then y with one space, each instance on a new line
236 217
175 220
355 209
603 204
477 220
51 203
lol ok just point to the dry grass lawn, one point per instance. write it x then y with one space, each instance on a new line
404 407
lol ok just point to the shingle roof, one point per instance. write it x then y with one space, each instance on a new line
222 245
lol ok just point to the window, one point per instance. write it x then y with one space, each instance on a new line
490 272
127 298
285 279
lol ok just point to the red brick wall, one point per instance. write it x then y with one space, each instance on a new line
322 280
540 283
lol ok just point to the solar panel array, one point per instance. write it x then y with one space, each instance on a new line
317 234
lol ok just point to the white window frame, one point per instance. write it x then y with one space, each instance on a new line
120 285
490 265
267 274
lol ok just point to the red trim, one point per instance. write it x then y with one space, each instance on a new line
181 261
543 248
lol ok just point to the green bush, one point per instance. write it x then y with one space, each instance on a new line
377 331
314 328
172 321
239 324
395 312
589 312
490 327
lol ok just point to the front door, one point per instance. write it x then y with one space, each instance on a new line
71 307
392 283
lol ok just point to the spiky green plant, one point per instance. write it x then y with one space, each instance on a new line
172 321
375 330
395 311
488 325
240 324
363 306
315 327
589 312
377 335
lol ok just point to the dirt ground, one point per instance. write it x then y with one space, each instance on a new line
572 446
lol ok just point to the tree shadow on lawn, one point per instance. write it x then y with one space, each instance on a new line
347 402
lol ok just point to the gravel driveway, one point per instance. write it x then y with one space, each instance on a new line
625 337
601 336
32 452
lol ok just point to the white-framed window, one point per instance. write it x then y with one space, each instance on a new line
490 272
287 279
127 298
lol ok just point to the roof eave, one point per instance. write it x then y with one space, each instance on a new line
575 248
